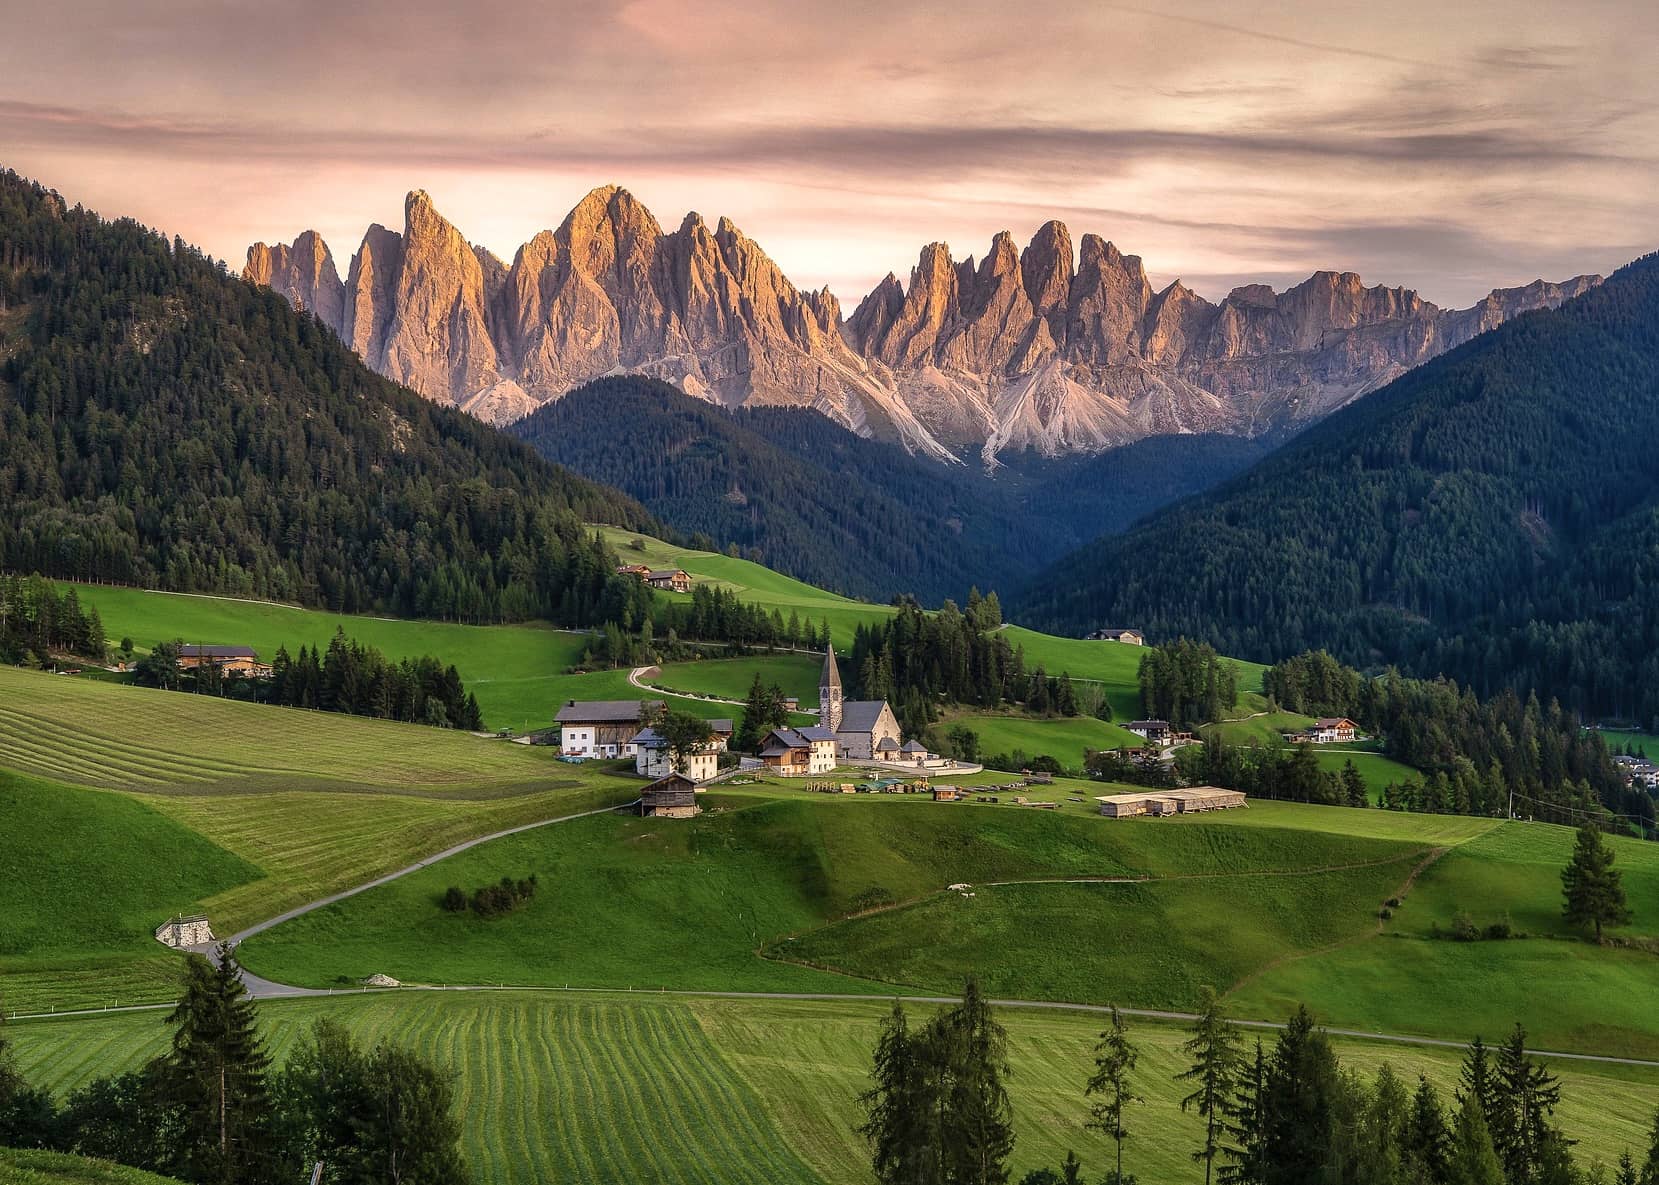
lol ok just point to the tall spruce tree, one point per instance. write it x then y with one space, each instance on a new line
1247 1125
1526 1095
216 1077
1592 887
1302 1084
1473 1160
901 1107
1425 1143
1115 1057
1217 1061
977 1128
1650 1164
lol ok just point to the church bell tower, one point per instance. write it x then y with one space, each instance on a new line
829 693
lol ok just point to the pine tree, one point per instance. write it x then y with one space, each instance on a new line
1650 1166
1247 1122
1473 1161
1591 885
1425 1142
1526 1095
1114 1063
976 1128
216 1075
901 1107
1475 1079
1217 1061
1302 1085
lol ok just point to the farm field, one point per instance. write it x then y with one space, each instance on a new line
626 902
1377 771
1063 738
513 669
301 804
765 1089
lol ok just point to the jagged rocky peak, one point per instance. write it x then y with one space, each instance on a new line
1050 346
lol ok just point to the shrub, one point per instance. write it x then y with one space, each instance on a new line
454 900
1464 928
872 898
492 901
1392 903
1498 931
1385 913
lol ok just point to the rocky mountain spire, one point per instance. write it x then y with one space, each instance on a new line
1034 348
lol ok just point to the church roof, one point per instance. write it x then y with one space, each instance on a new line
832 673
860 715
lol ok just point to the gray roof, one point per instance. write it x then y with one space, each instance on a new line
832 673
600 711
860 715
789 738
667 573
216 652
648 738
914 747
887 744
1147 724
816 732
722 726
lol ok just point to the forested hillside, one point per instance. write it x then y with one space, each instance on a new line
1493 515
164 424
798 492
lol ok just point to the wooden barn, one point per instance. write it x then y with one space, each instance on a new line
673 797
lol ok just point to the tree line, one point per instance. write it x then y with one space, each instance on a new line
211 1110
937 1111
166 425
348 677
36 620
1186 683
1474 754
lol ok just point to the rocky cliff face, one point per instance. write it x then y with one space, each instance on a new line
1045 347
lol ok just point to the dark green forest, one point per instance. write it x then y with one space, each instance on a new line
793 490
164 424
1491 516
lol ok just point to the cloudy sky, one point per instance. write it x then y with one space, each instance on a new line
1451 146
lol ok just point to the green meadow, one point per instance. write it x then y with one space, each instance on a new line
570 1087
20 1167
1062 737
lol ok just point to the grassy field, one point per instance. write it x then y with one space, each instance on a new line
555 1087
1063 738
751 582
730 678
628 902
513 669
1377 770
18 1167
267 807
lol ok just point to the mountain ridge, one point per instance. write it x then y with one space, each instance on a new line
1042 348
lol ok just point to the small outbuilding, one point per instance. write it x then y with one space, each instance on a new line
673 797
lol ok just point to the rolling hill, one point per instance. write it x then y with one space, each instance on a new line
1485 516
163 424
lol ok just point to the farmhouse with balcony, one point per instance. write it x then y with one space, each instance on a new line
1330 730
603 727
669 580
231 660
798 752
1155 732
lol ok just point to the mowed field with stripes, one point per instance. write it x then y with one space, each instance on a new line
616 1090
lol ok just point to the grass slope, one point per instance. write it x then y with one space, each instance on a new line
645 902
562 1088
20 1167
296 804
1063 738
729 678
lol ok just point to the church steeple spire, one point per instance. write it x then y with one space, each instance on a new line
829 692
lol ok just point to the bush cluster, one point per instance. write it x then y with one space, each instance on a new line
491 901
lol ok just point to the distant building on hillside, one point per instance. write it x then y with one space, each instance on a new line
1154 731
601 728
1169 802
672 797
1330 730
180 932
670 580
865 730
641 571
1131 637
231 660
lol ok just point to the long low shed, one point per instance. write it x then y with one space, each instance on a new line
1169 802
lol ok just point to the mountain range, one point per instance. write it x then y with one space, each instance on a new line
1047 349
1492 516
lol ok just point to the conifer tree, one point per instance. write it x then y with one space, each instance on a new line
1302 1085
1425 1141
1217 1061
216 1076
1650 1165
1247 1126
1473 1160
977 1129
1526 1095
1114 1063
1591 885
901 1107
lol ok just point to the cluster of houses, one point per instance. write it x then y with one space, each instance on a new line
667 579
231 660
1126 636
1639 771
847 730
1331 730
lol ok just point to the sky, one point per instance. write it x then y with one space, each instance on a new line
1449 146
